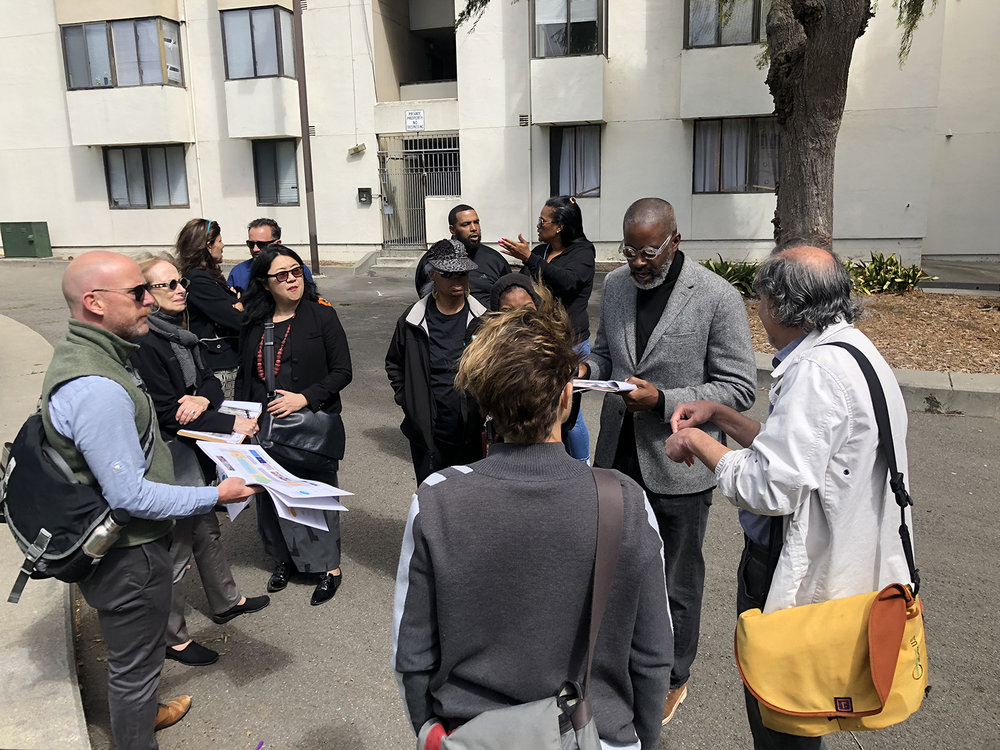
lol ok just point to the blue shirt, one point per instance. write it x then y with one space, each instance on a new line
99 417
239 277
755 526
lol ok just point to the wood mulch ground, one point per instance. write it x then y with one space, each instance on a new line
923 331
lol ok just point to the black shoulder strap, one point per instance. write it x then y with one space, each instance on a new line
268 357
610 520
888 449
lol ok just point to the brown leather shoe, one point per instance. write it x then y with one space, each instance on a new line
169 714
674 699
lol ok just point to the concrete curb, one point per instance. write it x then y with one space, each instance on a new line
958 393
38 683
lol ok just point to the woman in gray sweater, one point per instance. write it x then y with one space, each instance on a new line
493 585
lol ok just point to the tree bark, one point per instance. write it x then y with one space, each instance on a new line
811 43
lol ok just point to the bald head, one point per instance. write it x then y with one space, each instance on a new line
650 211
815 258
98 290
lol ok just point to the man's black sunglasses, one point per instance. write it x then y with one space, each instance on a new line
261 244
452 274
137 292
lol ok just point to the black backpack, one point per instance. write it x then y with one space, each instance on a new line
51 514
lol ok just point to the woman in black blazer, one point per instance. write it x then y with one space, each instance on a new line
312 365
214 310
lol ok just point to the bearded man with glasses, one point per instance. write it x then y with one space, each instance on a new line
678 332
261 233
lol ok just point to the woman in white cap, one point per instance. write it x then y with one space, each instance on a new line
443 428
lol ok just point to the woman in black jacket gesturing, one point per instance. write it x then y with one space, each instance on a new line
312 364
564 262
214 310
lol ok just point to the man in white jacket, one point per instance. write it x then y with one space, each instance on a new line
819 518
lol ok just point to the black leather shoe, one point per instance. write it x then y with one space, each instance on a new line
252 604
326 588
279 578
194 655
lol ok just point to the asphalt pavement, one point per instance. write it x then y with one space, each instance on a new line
296 676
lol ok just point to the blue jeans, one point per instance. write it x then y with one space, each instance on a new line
578 439
682 520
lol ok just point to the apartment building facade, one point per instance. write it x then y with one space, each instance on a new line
126 119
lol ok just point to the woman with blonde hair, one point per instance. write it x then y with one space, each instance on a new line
215 312
494 577
186 394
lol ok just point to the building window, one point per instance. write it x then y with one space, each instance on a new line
570 27
138 52
738 155
258 43
714 23
575 160
275 173
146 177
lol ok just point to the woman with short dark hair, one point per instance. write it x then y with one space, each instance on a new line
312 365
494 577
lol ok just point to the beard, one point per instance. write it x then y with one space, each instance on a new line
658 278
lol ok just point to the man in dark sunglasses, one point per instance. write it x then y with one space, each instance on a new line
96 413
260 234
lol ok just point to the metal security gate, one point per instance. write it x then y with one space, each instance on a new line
411 167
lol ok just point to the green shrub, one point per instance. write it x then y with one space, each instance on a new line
884 274
738 273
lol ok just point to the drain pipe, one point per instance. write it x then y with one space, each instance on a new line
300 75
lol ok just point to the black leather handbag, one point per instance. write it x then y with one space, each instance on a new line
306 439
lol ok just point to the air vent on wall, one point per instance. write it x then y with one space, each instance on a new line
523 121
312 131
304 4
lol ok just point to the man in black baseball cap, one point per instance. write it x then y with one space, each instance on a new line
443 428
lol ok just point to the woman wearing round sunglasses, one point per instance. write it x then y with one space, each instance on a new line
564 261
312 364
186 394
216 314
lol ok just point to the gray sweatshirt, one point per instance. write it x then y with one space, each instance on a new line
493 595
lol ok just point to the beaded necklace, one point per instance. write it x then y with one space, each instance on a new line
277 358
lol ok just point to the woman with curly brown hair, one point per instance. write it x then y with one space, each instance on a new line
215 312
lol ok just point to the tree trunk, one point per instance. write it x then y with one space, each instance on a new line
811 43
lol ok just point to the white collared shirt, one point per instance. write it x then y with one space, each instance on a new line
815 460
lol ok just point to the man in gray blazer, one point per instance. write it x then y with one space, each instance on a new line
678 332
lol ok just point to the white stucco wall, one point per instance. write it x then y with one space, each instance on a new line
918 158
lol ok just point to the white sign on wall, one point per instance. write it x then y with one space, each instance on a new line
414 119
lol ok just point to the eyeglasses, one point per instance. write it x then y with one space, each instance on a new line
648 252
282 276
171 285
259 244
138 292
542 222
451 274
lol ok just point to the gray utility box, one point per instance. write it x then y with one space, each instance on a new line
25 239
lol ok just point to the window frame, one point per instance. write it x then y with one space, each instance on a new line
756 37
594 192
112 60
278 44
602 32
258 143
753 158
147 181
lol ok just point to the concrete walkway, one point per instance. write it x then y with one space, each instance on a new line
38 685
